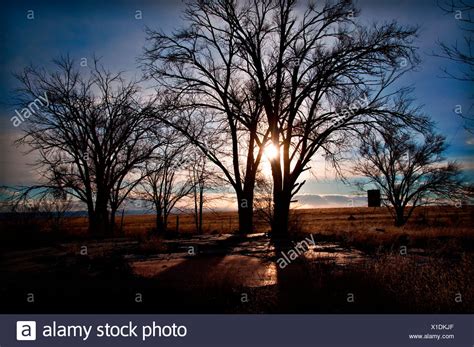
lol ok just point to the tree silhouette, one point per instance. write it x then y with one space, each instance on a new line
164 185
91 137
211 98
311 76
409 171
203 179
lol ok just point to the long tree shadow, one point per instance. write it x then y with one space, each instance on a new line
293 285
230 274
201 282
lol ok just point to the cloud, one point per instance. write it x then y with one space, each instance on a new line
228 202
323 201
15 165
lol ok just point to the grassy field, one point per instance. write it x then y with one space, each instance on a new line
327 220
442 228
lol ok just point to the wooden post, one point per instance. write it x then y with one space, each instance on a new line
177 223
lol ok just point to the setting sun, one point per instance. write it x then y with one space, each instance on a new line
271 152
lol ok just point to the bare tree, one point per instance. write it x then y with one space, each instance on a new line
45 208
461 52
315 72
205 180
408 170
200 177
202 69
165 182
90 133
264 199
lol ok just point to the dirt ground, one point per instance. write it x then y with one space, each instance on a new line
353 260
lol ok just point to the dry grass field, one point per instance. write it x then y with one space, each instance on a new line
442 220
444 229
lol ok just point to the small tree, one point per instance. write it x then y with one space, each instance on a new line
37 207
165 183
264 198
198 175
407 171
202 178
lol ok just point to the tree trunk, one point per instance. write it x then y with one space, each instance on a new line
113 212
99 221
245 209
196 212
201 204
281 213
160 222
92 223
177 222
121 222
198 208
399 216
96 219
91 218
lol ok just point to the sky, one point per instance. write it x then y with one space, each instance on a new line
114 31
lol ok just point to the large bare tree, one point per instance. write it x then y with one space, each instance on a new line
408 168
215 103
315 71
91 134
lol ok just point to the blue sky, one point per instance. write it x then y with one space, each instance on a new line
111 31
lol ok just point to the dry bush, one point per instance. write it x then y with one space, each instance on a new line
425 284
